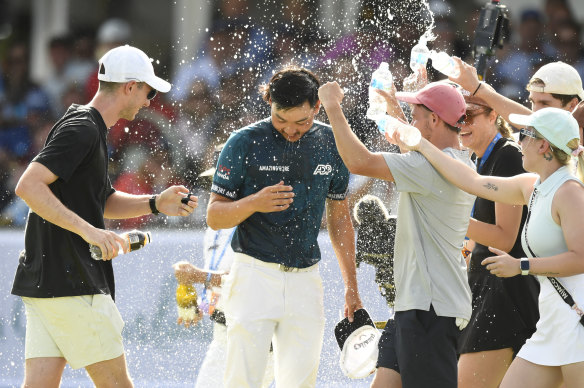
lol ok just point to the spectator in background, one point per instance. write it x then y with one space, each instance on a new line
191 136
22 102
287 50
112 33
146 170
512 72
569 46
68 70
207 66
229 50
60 51
556 13
258 45
446 31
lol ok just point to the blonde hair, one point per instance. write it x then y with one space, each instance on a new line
503 127
565 158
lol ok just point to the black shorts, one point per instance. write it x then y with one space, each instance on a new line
421 347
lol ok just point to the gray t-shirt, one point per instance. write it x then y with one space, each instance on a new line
433 217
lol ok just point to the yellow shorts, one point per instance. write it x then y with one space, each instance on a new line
82 329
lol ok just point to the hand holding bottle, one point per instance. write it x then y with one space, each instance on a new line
398 139
105 241
419 56
187 305
392 128
445 64
392 106
468 77
127 242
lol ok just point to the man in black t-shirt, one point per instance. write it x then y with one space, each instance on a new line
68 296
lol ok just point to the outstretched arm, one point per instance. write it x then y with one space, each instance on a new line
342 237
187 274
358 159
513 190
504 106
169 202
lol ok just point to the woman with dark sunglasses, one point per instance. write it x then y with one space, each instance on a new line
551 237
504 310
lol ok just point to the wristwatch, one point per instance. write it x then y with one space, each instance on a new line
524 266
152 202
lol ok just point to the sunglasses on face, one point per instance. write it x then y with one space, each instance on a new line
151 94
528 131
470 116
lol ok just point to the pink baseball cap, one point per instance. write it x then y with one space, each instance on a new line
442 98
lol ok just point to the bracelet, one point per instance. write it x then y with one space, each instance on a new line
152 203
477 89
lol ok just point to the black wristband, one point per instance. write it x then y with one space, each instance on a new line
477 89
152 202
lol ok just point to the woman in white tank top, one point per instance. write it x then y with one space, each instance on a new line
553 237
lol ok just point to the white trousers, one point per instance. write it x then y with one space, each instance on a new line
265 305
210 375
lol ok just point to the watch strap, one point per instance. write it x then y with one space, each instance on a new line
524 265
152 203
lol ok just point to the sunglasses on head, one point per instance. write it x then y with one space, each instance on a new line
527 131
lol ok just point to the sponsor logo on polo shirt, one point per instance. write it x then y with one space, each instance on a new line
275 168
223 191
223 172
323 169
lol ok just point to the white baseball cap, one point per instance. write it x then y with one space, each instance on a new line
358 341
558 78
127 63
556 125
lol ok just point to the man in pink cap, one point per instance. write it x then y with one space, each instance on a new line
433 300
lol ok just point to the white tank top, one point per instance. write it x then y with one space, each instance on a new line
559 337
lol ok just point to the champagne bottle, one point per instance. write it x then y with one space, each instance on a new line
186 301
136 240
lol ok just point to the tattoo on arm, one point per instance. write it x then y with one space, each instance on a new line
548 156
491 186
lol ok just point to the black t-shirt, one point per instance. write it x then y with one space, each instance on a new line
57 262
504 161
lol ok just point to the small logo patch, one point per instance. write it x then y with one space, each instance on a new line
323 169
223 172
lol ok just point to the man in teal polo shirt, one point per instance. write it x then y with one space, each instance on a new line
273 180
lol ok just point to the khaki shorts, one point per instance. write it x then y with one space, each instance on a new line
82 329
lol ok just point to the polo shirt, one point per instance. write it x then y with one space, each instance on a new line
257 156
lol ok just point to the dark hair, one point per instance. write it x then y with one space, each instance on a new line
291 87
564 98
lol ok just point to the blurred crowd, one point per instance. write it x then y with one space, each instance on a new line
173 140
